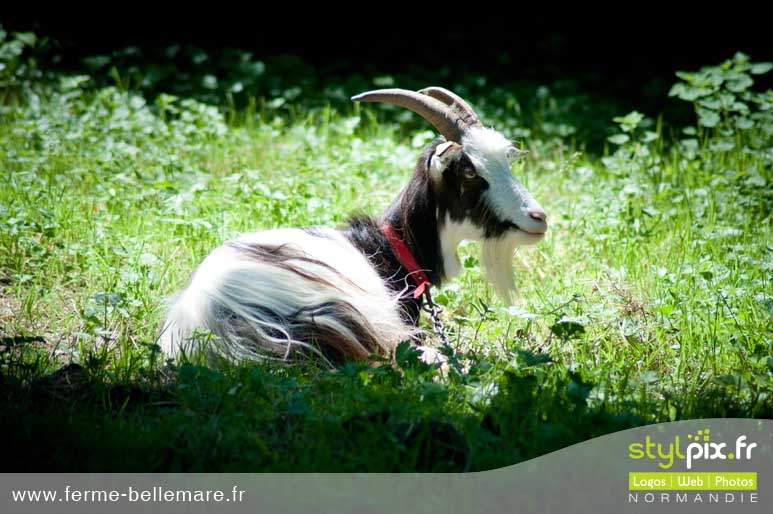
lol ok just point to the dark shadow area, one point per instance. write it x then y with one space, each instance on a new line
355 418
606 58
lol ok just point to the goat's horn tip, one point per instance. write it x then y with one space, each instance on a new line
362 97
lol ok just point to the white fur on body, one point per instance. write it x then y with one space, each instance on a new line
230 280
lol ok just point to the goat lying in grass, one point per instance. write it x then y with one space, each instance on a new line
354 292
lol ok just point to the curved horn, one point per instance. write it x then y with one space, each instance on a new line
443 118
455 102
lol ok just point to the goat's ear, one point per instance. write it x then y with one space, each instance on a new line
513 154
444 155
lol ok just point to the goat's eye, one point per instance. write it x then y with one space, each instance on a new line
470 173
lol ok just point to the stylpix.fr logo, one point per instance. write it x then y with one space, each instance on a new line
699 447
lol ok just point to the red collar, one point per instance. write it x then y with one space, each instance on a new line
406 259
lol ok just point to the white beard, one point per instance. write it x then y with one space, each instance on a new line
497 257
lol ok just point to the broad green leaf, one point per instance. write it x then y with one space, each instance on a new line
28 38
677 90
710 103
629 122
740 58
744 123
688 93
534 359
690 147
567 329
518 312
716 79
209 82
619 139
726 101
722 145
739 107
96 61
708 118
761 68
384 81
739 83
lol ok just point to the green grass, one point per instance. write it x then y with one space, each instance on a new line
649 300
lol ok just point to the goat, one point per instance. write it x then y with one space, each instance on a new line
355 292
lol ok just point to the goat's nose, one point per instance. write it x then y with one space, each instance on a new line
538 214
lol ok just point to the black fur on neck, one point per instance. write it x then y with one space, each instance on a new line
413 215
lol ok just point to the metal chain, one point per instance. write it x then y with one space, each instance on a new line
434 311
